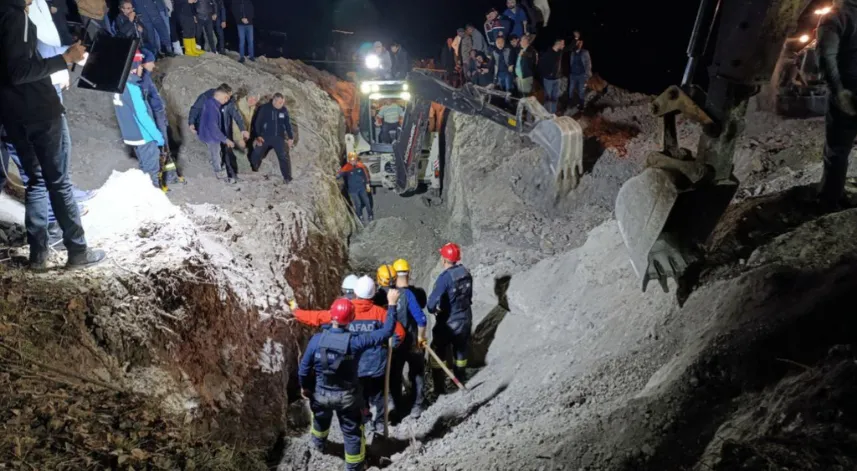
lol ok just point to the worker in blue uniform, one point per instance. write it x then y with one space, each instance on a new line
328 376
451 299
409 352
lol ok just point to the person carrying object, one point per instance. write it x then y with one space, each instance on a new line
32 117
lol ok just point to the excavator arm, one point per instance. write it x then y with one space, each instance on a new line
560 137
668 212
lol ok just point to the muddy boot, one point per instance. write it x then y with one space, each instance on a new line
317 444
39 262
89 258
439 379
416 411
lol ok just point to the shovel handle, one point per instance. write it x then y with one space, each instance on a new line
387 387
446 370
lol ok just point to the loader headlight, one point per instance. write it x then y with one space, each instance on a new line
373 61
375 96
406 96
376 88
405 87
365 88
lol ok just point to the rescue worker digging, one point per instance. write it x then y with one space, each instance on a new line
451 299
410 315
328 376
372 363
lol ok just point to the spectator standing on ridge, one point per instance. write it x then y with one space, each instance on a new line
504 65
154 17
484 74
493 27
447 61
514 45
476 38
220 26
244 14
206 14
525 66
517 16
187 24
580 71
464 48
401 61
550 67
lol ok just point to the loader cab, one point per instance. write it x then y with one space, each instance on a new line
375 96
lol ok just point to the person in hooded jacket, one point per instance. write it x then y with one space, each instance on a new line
32 114
138 110
372 368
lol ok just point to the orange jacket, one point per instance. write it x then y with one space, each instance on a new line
364 310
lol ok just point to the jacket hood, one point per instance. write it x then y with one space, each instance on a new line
12 5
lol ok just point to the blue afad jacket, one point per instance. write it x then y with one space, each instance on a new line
452 297
410 314
333 356
135 113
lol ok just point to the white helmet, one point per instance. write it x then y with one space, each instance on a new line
365 288
349 282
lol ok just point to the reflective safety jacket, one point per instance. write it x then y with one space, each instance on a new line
332 356
452 297
367 318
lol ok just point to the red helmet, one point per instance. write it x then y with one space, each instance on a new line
451 252
342 311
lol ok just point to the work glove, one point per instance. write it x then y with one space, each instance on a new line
845 102
293 304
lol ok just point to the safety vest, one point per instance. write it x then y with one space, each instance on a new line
460 294
338 367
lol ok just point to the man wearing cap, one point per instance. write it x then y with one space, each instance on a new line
136 122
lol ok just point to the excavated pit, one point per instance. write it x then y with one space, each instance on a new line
180 353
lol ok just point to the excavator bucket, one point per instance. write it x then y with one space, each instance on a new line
562 140
643 207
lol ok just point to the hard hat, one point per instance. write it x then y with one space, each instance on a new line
451 252
342 311
385 275
401 266
352 155
349 282
365 288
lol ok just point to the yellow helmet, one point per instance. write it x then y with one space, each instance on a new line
401 266
385 275
352 155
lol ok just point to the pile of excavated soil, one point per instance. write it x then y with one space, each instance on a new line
587 372
188 317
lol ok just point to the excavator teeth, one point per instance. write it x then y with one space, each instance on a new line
562 140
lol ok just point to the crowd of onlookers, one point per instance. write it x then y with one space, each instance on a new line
504 58
165 27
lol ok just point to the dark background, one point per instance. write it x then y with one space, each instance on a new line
634 44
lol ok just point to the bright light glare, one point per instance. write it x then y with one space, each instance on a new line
376 87
804 38
405 87
373 61
406 96
375 96
365 87
823 11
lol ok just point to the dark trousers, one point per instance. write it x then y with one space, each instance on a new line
206 29
39 146
445 336
840 132
577 86
158 37
360 199
149 158
282 150
416 373
346 406
221 42
373 396
229 161
386 136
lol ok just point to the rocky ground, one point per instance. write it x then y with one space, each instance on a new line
185 330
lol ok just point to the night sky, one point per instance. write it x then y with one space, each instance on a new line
634 44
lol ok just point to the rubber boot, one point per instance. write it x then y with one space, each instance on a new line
177 48
190 48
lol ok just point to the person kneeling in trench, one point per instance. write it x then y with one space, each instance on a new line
328 377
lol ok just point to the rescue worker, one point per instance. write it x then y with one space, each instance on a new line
837 43
385 277
272 125
450 300
328 375
411 315
141 116
373 362
348 285
355 175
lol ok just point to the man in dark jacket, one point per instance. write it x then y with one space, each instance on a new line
152 14
525 67
229 115
211 130
447 61
580 71
31 112
401 61
550 67
504 65
128 25
206 15
837 43
272 125
484 73
59 11
185 9
244 14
